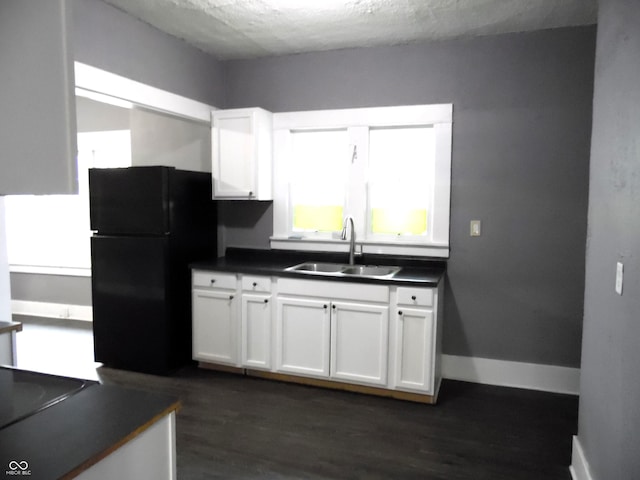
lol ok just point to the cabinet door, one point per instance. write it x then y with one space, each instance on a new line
302 341
414 350
234 154
359 340
214 326
256 330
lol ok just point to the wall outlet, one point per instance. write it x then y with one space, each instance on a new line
475 228
619 277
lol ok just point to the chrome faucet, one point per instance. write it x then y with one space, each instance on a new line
352 239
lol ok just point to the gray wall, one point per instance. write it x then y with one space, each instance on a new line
609 421
64 289
36 99
93 116
108 38
5 291
522 124
160 139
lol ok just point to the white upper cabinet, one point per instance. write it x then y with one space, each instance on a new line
37 117
241 141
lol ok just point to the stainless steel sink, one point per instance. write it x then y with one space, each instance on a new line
370 270
341 269
318 267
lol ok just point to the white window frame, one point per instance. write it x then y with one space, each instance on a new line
359 121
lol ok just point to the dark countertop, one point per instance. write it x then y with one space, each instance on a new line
7 327
414 271
72 435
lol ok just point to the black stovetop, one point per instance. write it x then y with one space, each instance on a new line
24 393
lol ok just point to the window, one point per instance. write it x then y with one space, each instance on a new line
401 162
389 168
317 184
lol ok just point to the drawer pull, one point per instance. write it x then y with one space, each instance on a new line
266 300
413 297
255 284
212 281
230 297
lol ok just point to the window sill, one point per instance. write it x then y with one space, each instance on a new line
371 247
44 270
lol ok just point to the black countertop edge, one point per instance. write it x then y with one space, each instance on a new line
71 436
415 271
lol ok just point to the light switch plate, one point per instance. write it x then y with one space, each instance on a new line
619 277
475 228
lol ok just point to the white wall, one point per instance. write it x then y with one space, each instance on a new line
5 292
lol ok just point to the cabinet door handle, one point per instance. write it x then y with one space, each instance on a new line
399 312
266 300
333 306
230 297
251 194
413 297
324 306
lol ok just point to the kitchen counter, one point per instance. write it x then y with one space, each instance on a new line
274 263
74 434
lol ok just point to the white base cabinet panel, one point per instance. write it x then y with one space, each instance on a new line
359 342
302 336
415 344
215 326
149 456
256 330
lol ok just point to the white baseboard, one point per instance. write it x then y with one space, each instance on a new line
579 468
533 376
52 310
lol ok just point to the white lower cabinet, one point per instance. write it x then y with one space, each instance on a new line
302 336
364 334
359 342
414 359
214 318
214 327
256 330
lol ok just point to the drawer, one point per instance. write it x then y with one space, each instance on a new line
256 284
415 296
214 280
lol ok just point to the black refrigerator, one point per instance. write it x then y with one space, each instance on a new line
149 224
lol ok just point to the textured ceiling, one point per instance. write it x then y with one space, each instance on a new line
232 29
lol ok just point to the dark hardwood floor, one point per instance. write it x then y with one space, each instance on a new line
234 427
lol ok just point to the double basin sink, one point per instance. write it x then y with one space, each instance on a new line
341 269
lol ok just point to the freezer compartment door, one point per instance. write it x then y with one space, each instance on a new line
129 201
